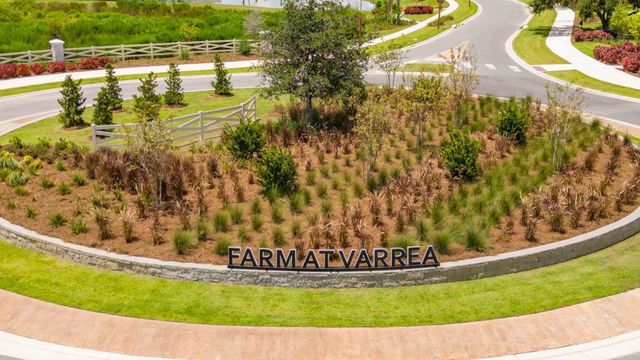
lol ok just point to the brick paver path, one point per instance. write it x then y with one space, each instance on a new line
571 325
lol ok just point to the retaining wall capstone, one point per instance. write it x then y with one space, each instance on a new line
470 269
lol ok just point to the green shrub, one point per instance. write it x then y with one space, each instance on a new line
21 191
245 140
47 183
59 165
277 215
256 206
202 230
243 234
513 121
31 212
71 103
11 204
182 241
474 239
78 226
278 237
222 246
56 219
296 203
221 222
256 222
402 241
78 180
244 47
296 228
222 83
422 230
236 215
460 155
63 189
277 169
441 242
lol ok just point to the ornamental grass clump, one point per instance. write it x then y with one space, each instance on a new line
182 241
278 237
221 222
102 220
222 246
56 219
78 225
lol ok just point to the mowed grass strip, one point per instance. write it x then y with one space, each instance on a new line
531 43
604 273
577 78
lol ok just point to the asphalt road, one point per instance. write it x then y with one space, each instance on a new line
499 74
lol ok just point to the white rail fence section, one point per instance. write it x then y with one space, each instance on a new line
185 130
124 52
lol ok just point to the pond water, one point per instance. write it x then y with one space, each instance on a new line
356 4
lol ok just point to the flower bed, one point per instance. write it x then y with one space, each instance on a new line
8 71
625 54
580 34
416 10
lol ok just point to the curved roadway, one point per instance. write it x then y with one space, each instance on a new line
499 73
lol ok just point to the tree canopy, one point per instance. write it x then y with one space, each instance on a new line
602 8
314 52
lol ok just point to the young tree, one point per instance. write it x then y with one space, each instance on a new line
114 91
314 52
602 8
222 83
102 108
147 104
563 112
371 128
175 93
389 61
462 78
253 23
72 103
427 97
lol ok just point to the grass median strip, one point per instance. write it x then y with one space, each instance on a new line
577 78
99 80
531 43
604 273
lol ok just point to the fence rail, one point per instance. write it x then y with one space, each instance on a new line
124 52
184 130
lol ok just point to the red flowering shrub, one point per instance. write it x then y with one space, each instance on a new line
55 67
23 70
414 10
580 34
8 71
88 64
631 63
37 69
103 61
615 53
71 66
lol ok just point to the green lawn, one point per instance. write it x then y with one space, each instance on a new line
578 78
40 87
463 12
432 68
197 101
604 273
531 44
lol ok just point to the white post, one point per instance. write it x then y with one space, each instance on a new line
122 51
151 45
201 126
57 49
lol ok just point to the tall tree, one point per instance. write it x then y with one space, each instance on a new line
102 108
222 84
113 88
389 61
602 8
175 93
147 104
314 52
71 103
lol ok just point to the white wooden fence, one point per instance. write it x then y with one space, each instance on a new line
124 52
185 130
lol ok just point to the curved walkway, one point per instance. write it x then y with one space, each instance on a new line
577 324
559 41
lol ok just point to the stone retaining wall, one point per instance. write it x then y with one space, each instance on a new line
470 269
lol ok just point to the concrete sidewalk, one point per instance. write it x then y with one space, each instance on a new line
572 325
559 41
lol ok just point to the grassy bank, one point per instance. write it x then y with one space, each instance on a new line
578 78
607 272
197 101
464 11
531 44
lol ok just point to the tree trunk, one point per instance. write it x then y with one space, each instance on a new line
309 109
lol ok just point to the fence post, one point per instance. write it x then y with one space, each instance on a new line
29 55
93 51
179 48
234 46
242 113
206 47
122 51
93 135
57 49
201 126
151 45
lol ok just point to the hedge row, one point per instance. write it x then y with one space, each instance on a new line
625 54
415 10
580 34
8 71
